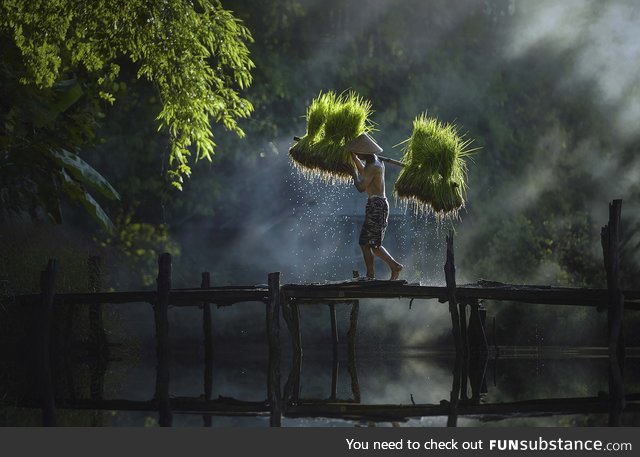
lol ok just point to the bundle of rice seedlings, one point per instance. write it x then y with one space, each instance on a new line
333 121
433 178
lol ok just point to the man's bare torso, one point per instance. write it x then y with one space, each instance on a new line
372 179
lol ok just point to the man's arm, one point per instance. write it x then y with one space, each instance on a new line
358 173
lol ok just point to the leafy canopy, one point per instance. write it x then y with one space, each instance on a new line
194 52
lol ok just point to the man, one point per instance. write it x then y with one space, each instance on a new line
368 176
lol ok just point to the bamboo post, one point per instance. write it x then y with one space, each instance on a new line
454 397
208 348
462 310
334 329
476 332
47 391
477 375
291 314
450 277
273 335
162 338
334 378
351 339
610 236
291 317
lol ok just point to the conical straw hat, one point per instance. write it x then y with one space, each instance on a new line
364 144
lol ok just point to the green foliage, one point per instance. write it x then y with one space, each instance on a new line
434 174
60 61
136 246
333 121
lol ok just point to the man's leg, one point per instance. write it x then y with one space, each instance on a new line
395 267
368 260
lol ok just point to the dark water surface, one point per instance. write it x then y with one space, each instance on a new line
399 376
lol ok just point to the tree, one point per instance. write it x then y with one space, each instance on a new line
60 65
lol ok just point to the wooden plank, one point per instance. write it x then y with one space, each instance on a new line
180 405
162 339
225 296
47 391
273 335
345 410
521 294
542 407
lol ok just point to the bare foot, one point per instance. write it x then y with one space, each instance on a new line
395 271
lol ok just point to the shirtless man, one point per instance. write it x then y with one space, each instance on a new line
368 176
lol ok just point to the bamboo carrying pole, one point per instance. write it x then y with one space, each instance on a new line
382 158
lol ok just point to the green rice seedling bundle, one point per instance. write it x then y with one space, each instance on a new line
434 174
333 121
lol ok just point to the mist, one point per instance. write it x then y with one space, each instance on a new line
579 140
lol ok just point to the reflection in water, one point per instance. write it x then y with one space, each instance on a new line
403 378
345 385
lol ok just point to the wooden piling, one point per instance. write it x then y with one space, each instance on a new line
351 343
476 334
454 397
610 236
335 367
462 311
334 329
450 277
290 313
208 347
165 417
273 335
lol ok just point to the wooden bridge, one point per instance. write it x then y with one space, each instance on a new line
471 346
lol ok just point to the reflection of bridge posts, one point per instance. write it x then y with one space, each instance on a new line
457 325
291 314
351 342
478 350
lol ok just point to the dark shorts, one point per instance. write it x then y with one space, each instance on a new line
376 218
